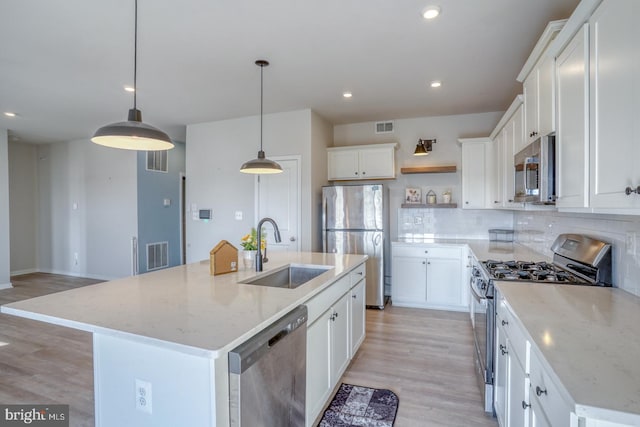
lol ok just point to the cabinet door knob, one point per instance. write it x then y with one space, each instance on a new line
539 391
495 201
356 173
359 273
503 349
364 173
505 323
426 252
424 262
292 239
525 405
428 262
630 190
353 296
466 203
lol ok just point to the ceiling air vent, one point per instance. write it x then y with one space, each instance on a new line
157 161
384 127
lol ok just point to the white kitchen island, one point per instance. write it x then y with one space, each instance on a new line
173 329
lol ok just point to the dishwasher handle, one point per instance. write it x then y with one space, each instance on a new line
248 353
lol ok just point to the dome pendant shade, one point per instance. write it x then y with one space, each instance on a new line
261 165
132 135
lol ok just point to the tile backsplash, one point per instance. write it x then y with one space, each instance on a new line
450 223
538 230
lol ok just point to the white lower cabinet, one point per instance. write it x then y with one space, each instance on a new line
357 316
318 365
511 382
546 396
429 276
524 393
334 334
339 338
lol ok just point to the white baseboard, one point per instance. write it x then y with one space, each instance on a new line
74 274
21 272
6 285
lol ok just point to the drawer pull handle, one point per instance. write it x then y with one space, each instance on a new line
505 323
525 405
503 349
630 190
353 296
359 273
539 391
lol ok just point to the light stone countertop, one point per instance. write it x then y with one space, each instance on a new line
483 249
590 338
184 308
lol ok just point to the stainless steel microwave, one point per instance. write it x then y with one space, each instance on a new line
535 169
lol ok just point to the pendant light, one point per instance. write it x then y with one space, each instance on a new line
133 134
261 165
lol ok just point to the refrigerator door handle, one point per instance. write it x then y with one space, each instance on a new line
377 239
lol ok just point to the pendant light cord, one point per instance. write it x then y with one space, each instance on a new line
261 102
135 56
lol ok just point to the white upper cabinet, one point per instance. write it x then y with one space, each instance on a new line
537 77
573 123
361 162
598 144
508 139
530 92
475 173
615 105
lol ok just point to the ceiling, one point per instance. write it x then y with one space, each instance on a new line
64 64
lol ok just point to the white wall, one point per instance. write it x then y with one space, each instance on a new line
23 206
87 198
4 211
321 138
215 152
446 151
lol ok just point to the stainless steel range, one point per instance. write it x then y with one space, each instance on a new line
577 260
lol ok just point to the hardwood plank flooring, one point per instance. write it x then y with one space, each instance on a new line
424 356
43 363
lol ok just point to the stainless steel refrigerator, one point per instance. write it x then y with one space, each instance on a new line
355 220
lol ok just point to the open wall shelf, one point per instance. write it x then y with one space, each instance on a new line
428 169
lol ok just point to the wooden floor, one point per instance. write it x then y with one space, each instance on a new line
424 356
43 363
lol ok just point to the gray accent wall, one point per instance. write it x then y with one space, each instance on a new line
156 222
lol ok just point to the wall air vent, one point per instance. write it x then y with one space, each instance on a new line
157 255
384 127
157 161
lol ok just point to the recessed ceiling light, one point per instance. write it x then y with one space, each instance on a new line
436 83
129 89
431 12
347 94
9 114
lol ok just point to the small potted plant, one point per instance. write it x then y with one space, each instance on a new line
249 243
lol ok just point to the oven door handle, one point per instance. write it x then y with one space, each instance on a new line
479 298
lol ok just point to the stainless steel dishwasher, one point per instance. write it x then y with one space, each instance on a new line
267 375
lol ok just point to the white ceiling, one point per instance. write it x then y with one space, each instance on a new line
63 64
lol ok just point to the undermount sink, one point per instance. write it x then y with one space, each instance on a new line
291 276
